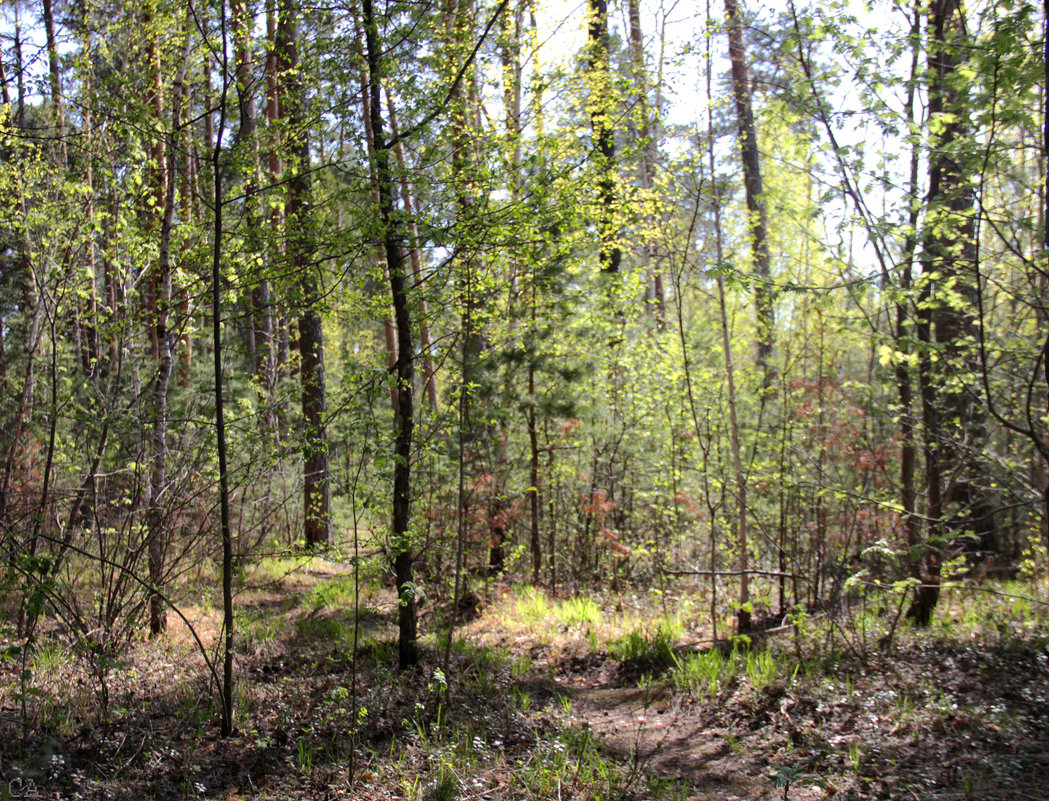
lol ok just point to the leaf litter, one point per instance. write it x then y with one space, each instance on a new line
530 717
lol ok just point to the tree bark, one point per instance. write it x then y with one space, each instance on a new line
648 151
155 514
261 316
743 615
316 463
903 371
415 259
220 423
393 234
945 327
751 161
389 332
54 78
601 106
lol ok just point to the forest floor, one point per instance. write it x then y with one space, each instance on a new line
539 698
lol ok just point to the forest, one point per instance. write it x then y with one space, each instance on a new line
447 400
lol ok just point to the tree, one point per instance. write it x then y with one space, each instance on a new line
601 106
648 154
226 690
757 217
298 165
946 303
163 342
392 235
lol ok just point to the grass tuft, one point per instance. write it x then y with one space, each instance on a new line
642 651
702 674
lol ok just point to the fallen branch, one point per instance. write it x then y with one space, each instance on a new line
752 572
726 644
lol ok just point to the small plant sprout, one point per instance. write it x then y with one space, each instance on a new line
565 703
787 775
855 757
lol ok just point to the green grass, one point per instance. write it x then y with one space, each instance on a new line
571 762
535 607
761 668
579 611
483 664
702 674
49 656
708 673
647 650
326 628
445 788
258 629
338 592
274 570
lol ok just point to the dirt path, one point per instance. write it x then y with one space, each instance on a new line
662 736
668 739
937 721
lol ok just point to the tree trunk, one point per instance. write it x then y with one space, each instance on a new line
393 235
55 80
415 259
903 376
158 501
158 312
743 616
647 153
220 423
87 329
261 312
751 161
500 509
1042 446
945 309
601 108
462 133
316 482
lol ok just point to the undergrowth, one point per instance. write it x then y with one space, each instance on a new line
827 703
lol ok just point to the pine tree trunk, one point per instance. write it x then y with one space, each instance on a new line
743 616
262 345
751 160
944 325
316 466
647 154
